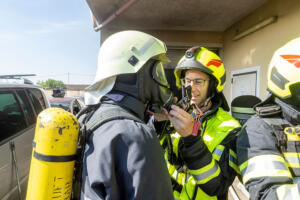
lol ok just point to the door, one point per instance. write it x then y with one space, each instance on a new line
245 82
12 124
23 142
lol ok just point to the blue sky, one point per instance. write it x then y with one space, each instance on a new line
50 38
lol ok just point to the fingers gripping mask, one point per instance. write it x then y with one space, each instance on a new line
156 89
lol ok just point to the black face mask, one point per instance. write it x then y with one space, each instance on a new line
155 88
149 86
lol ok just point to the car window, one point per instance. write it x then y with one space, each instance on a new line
60 104
11 117
24 101
37 100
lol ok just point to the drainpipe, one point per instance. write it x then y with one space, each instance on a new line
112 16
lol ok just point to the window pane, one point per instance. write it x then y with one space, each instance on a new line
24 101
37 100
11 118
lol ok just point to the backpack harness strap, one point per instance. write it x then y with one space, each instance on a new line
278 125
101 118
287 140
270 116
89 123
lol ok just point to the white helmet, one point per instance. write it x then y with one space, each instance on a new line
284 69
123 53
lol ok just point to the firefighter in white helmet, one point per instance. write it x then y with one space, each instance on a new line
123 158
268 147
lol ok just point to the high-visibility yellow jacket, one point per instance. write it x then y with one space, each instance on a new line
203 166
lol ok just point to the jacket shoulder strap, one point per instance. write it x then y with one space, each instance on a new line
90 122
99 118
278 125
274 121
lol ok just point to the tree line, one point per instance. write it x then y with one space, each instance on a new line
52 84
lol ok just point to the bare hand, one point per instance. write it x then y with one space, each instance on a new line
182 121
162 116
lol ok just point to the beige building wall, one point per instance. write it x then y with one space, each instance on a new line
253 50
180 39
257 48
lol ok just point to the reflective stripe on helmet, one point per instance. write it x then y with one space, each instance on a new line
264 166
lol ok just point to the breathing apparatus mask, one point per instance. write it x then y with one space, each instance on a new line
159 94
149 85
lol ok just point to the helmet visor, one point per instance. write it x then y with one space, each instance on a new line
158 74
294 100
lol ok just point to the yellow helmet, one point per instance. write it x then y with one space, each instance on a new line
284 69
204 60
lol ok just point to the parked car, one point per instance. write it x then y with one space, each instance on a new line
70 104
20 105
58 93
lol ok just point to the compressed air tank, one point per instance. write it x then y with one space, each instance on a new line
53 155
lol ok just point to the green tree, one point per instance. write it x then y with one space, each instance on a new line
52 84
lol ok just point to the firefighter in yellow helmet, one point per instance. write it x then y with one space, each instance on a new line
268 147
200 153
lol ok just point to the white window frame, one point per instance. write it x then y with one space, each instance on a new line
246 71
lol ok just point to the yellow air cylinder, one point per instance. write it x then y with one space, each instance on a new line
53 155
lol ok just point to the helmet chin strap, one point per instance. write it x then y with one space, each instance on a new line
211 93
203 105
206 102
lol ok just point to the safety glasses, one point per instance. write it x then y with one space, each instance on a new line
197 82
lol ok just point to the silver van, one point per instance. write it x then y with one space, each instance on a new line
19 106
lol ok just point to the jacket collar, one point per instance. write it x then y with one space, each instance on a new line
288 112
128 102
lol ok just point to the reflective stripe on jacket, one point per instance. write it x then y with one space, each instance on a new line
208 166
267 173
